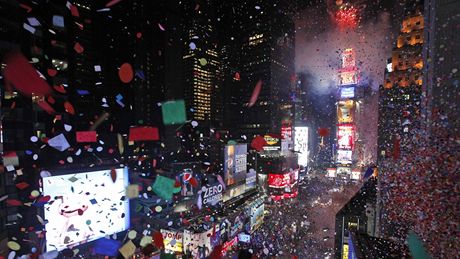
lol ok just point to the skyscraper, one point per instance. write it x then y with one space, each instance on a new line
400 96
202 77
441 59
260 38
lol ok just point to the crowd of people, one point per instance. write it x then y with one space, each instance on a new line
290 229
421 191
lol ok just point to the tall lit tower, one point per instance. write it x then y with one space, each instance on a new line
348 79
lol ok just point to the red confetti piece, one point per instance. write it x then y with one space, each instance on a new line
52 72
46 198
112 3
258 143
13 105
60 89
46 107
86 136
61 162
126 73
28 8
22 185
158 239
323 132
113 174
255 93
13 202
139 35
69 108
23 76
143 133
78 48
50 99
237 76
193 182
216 253
74 11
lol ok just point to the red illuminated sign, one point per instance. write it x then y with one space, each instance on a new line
278 180
286 132
345 136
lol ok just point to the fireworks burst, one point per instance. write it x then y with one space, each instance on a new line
347 16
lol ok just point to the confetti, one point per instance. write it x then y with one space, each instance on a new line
20 73
126 73
255 93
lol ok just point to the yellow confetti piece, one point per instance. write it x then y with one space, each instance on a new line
13 246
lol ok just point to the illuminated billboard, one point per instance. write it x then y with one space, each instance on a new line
273 143
345 111
172 240
343 170
347 92
331 172
348 58
235 163
344 156
345 136
278 180
286 132
80 212
301 145
356 174
348 77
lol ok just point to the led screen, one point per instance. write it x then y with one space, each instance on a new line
235 166
345 136
348 77
301 145
344 156
347 92
84 207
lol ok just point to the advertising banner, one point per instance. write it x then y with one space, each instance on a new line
344 156
173 240
251 178
199 245
348 58
331 172
345 136
343 170
345 111
273 143
356 174
235 165
286 132
348 77
257 217
278 180
347 92
244 238
212 194
286 138
301 145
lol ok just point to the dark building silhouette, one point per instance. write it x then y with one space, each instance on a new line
359 215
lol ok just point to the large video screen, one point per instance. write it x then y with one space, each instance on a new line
345 111
301 145
345 136
235 166
85 206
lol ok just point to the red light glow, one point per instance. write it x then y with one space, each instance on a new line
347 17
